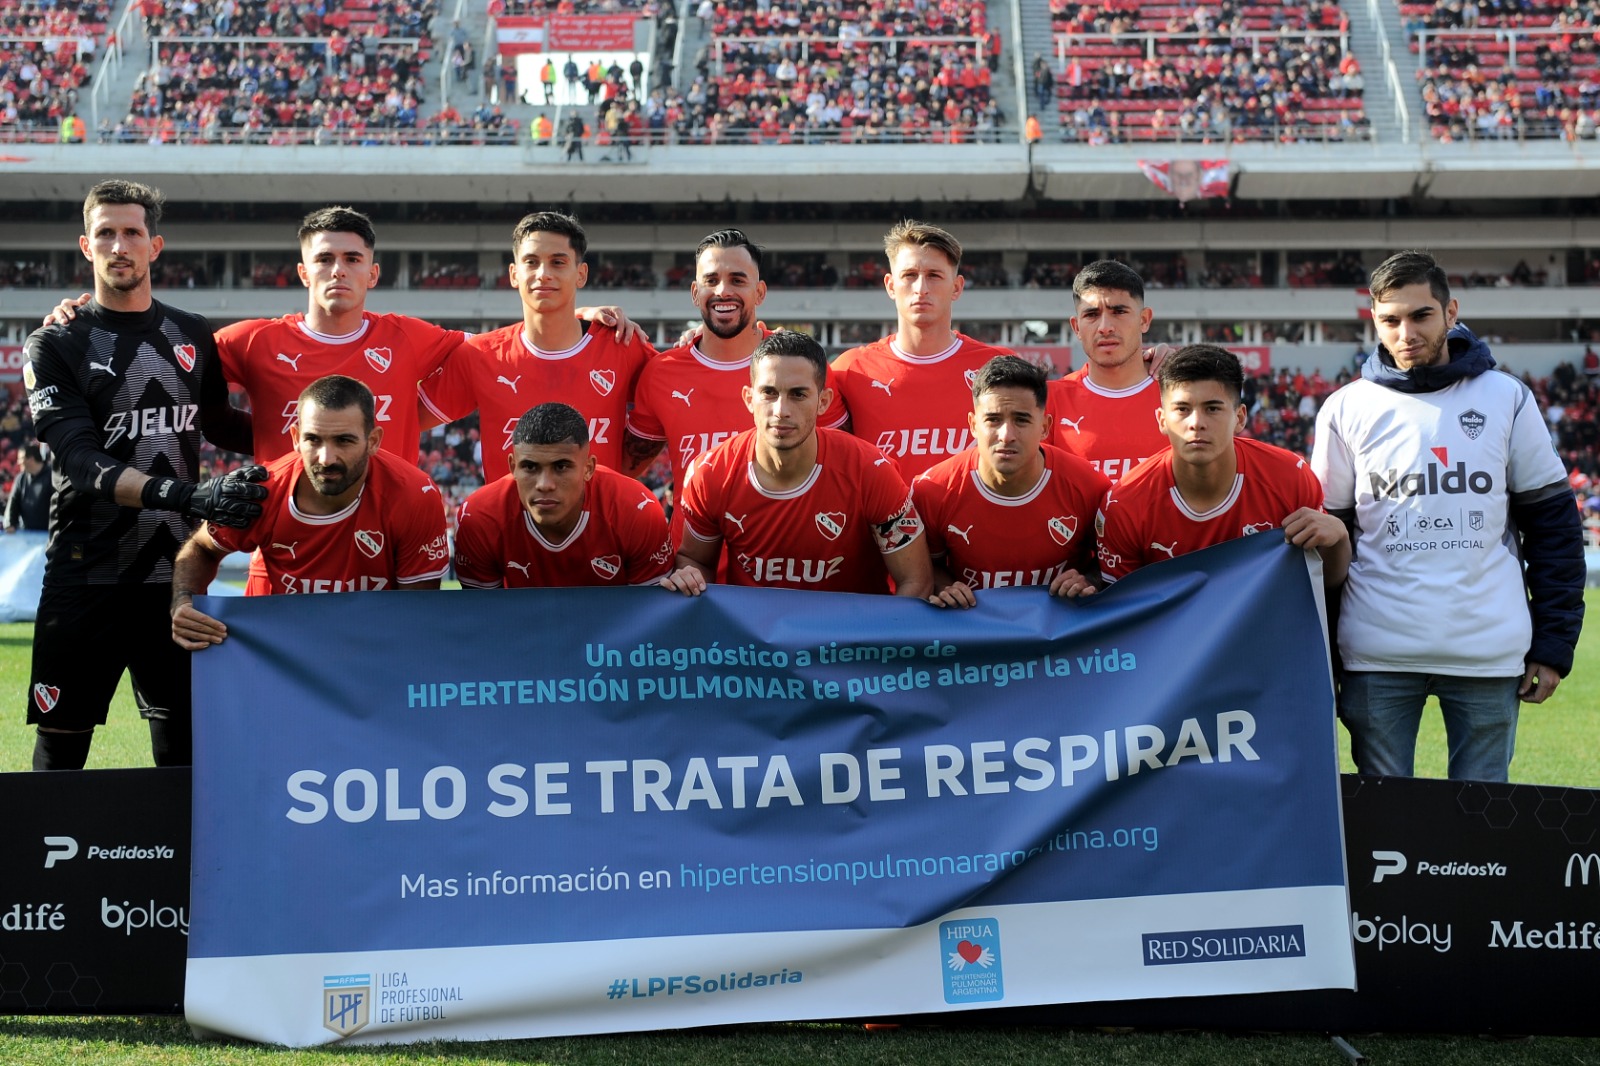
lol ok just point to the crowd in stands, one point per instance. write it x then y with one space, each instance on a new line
1334 271
40 80
1233 82
342 22
1471 90
26 275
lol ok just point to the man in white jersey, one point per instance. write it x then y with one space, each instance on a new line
1446 474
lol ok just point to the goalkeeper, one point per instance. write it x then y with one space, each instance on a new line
122 395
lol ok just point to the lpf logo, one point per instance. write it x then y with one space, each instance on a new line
347 1002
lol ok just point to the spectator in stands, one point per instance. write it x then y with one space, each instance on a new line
28 505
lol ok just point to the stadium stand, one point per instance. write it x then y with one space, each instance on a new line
46 49
1131 72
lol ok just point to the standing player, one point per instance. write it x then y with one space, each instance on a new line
559 520
274 359
341 516
798 506
1211 486
121 395
551 355
1105 411
1011 510
691 398
909 394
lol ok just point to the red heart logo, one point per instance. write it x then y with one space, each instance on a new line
968 950
46 696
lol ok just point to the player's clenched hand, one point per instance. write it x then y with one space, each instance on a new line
194 631
1071 584
65 311
1539 684
1308 528
686 579
955 594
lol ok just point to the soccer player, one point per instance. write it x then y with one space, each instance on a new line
122 395
1469 580
274 359
558 519
798 506
909 394
1105 411
551 355
1211 486
692 397
1010 510
341 515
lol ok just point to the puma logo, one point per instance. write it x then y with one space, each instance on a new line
684 396
294 363
643 504
736 521
99 480
1163 548
962 533
286 547
519 566
885 387
1073 423
512 382
102 366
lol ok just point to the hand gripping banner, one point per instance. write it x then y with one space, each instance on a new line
483 815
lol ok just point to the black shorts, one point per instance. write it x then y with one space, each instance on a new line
86 636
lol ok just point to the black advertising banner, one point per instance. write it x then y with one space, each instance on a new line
1475 908
94 891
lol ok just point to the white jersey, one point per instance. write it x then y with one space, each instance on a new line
1436 583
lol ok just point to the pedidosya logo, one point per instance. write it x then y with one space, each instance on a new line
346 1002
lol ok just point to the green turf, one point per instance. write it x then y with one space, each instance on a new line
1556 745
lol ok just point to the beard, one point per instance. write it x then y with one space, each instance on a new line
740 323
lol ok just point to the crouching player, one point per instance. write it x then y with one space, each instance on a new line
1211 486
558 519
1010 510
340 516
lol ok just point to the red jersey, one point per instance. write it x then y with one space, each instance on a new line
993 541
1144 519
502 376
830 534
620 539
274 359
693 403
912 408
1114 430
393 534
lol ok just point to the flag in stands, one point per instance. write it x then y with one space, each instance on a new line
517 34
1189 179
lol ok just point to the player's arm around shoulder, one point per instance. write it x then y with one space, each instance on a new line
193 570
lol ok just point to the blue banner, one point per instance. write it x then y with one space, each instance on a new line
533 812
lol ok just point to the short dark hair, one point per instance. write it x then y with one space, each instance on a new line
1011 371
729 238
790 343
117 191
910 231
1202 362
338 393
31 450
551 423
336 219
1409 268
1108 274
550 222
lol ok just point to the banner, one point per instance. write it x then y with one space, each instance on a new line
21 574
12 356
540 812
1189 179
516 34
94 891
597 33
